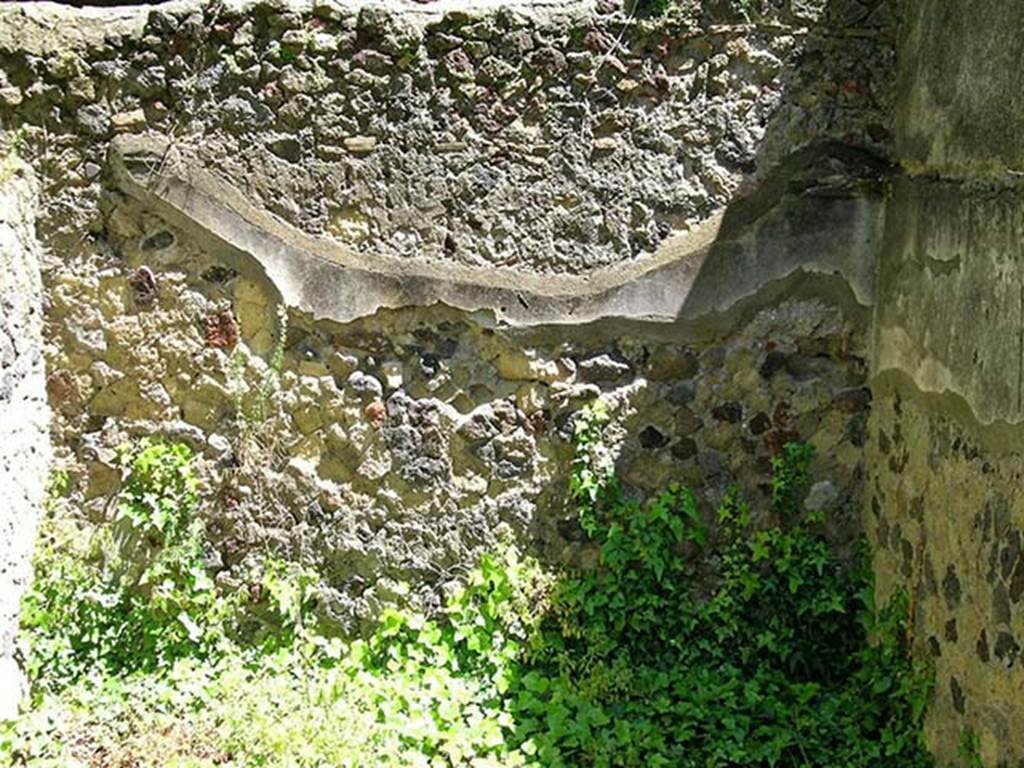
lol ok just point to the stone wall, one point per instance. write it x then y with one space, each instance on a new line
441 232
401 445
947 447
24 448
554 138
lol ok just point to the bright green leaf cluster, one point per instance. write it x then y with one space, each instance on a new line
695 647
140 596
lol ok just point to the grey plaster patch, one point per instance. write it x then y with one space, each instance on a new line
951 310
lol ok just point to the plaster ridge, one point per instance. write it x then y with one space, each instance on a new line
177 168
1000 436
306 269
329 281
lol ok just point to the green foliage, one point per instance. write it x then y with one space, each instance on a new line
653 7
770 666
158 491
252 403
970 749
698 640
593 471
259 443
790 477
748 8
57 485
137 596
11 154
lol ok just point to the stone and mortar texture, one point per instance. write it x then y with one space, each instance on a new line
24 414
946 447
477 219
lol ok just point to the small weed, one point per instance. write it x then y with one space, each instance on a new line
259 443
970 749
11 159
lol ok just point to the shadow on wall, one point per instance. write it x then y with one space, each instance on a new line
777 308
811 220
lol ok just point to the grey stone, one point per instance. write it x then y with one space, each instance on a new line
823 496
286 147
220 445
682 393
366 386
602 368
